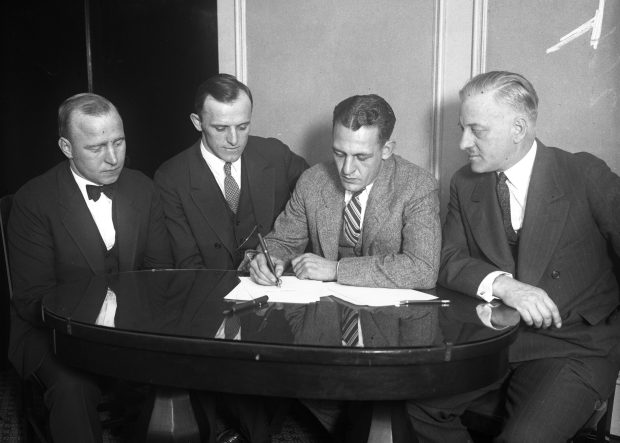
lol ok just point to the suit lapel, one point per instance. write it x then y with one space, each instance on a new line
206 194
126 216
78 221
329 215
377 205
261 186
546 211
486 221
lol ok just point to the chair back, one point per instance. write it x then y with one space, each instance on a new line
5 209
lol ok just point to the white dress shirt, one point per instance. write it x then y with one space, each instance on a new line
101 210
518 181
216 165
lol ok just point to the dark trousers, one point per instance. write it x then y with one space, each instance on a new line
545 401
71 398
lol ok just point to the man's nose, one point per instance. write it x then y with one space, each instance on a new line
232 136
111 156
466 140
347 166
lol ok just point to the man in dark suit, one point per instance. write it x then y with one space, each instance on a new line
530 226
229 186
85 216
221 192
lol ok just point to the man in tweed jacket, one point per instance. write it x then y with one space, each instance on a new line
398 242
400 230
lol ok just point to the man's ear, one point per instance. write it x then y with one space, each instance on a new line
388 149
519 129
195 118
65 147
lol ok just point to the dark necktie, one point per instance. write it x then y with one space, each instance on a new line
94 192
232 326
503 195
231 189
353 219
350 334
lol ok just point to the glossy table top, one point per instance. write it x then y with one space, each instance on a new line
178 316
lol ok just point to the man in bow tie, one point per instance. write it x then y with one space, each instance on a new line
86 216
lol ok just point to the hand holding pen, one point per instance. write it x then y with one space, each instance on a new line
265 269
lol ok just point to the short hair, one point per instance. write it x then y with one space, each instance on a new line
86 103
224 88
508 88
366 110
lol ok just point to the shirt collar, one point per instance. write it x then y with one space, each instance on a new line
520 173
363 195
214 162
82 182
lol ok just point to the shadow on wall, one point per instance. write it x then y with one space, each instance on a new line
316 142
451 158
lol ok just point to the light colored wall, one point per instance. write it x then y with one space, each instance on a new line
578 86
303 57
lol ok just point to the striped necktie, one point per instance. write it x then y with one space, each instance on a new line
231 189
350 333
353 219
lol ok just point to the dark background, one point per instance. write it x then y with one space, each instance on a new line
148 57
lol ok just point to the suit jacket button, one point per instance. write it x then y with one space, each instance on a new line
555 274
217 245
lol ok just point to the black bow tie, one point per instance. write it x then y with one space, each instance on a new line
94 192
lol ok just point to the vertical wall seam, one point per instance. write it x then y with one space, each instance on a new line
241 69
438 87
479 37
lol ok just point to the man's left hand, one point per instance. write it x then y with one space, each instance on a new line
313 267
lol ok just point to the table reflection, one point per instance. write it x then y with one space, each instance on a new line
191 304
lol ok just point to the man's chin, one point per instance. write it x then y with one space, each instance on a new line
108 179
351 187
477 168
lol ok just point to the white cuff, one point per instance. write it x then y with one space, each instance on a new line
485 290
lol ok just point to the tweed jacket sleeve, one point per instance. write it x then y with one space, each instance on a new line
401 234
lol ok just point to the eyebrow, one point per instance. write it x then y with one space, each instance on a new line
225 125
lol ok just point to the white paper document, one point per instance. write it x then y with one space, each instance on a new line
364 296
294 290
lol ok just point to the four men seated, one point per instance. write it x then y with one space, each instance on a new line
528 226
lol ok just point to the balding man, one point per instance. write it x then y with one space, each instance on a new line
87 215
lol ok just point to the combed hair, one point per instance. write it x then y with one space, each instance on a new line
224 88
366 110
508 88
86 103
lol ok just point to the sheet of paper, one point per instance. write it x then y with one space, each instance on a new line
376 296
293 290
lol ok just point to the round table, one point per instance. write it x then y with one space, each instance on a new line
167 328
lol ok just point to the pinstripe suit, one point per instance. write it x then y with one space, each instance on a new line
572 213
